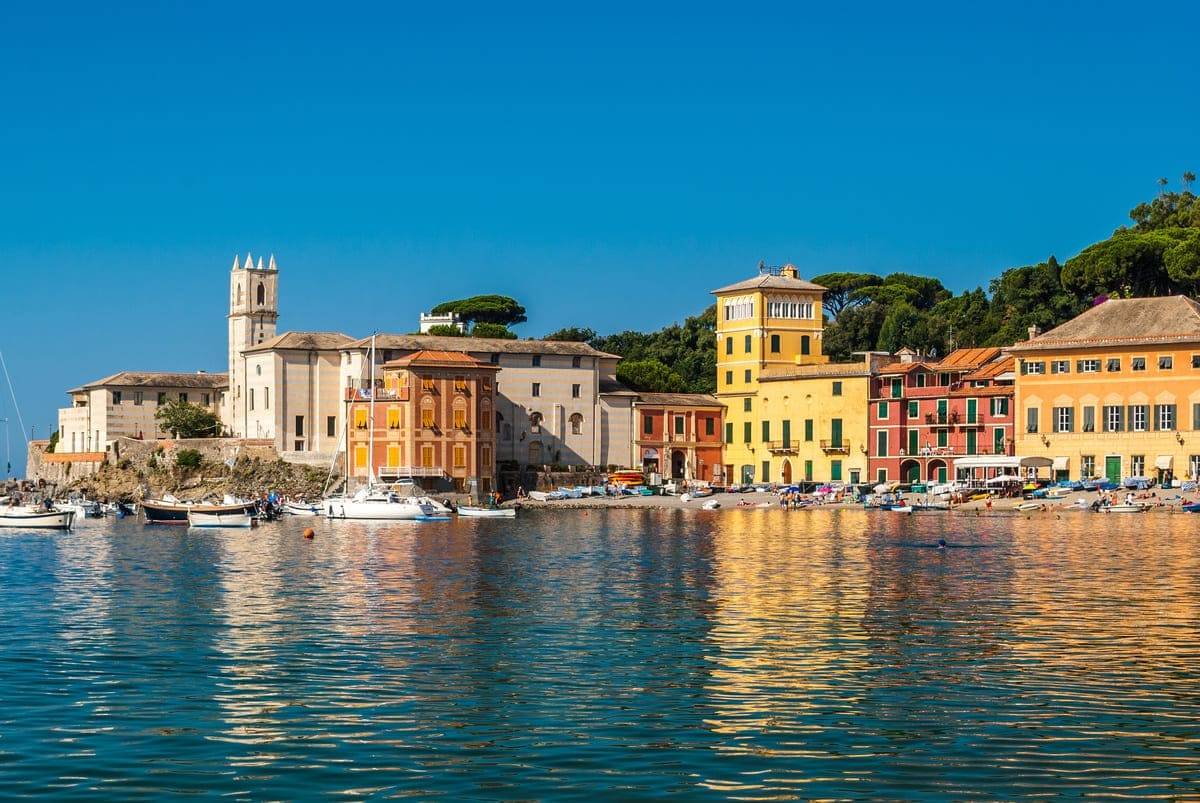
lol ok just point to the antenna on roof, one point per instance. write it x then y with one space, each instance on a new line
762 266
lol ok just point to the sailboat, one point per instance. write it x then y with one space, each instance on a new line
375 502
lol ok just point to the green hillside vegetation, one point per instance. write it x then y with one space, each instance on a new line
1157 254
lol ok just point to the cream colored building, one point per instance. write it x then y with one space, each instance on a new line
124 405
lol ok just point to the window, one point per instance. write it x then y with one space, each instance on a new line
729 345
897 388
729 433
998 440
266 398
535 423
748 344
204 398
261 294
116 397
1113 418
790 309
162 397
808 470
427 417
746 376
1031 419
882 410
747 433
460 456
1196 360
999 406
138 397
1164 417
251 398
913 409
1113 365
1136 364
766 471
575 391
576 424
460 418
537 360
1166 362
774 344
808 429
1033 367
1137 465
746 405
805 344
922 378
678 425
331 426
1194 466
1138 415
183 397
943 437
837 388
495 359
881 475
881 443
576 362
1090 366
1196 416
427 457
729 377
736 310
537 389
258 370
1063 419
360 418
709 425
1089 419
427 384
835 470
647 425
1060 366
766 432
508 432
299 426
460 384
1087 466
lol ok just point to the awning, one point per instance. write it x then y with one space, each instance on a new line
986 461
1061 463
1036 462
1163 461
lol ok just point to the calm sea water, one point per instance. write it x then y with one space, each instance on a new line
736 654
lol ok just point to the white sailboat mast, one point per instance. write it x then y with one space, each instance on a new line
371 431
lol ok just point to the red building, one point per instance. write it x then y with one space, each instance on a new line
679 435
924 414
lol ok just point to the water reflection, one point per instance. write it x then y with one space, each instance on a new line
753 654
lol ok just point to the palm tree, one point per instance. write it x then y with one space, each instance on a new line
1188 178
1162 185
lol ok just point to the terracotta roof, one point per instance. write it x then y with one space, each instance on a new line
679 400
991 390
477 344
831 369
770 281
427 357
903 367
1123 322
991 370
967 359
167 379
304 341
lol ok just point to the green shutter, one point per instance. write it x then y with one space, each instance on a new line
787 433
747 433
835 431
729 433
808 475
808 429
766 471
913 446
766 432
835 470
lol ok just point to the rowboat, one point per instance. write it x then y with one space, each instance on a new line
301 509
170 510
36 518
487 512
222 519
1124 508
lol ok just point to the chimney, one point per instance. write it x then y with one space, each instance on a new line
1034 331
789 270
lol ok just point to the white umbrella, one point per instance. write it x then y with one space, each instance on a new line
1001 479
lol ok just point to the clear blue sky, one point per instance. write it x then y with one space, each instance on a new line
606 166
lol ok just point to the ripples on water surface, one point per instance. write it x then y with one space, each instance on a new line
750 654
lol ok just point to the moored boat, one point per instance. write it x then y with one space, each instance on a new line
36 518
487 512
1128 508
376 505
170 510
231 519
301 509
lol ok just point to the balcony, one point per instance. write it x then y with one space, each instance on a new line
782 447
380 394
835 447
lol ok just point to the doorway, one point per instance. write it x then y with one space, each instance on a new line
1112 468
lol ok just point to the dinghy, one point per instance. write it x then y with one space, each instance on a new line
487 512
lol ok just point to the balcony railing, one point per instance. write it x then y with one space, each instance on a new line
395 472
836 447
782 447
381 394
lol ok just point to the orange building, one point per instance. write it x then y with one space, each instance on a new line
679 435
434 421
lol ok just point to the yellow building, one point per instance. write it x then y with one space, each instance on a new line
791 415
1114 392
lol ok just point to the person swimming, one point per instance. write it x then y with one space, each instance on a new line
941 543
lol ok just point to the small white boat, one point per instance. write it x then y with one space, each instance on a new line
437 508
1124 508
1031 506
539 496
82 508
231 519
711 504
36 518
487 512
900 508
301 509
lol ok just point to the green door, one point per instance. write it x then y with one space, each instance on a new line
914 473
787 433
913 447
808 471
1112 469
941 411
835 470
942 475
971 441
835 432
972 410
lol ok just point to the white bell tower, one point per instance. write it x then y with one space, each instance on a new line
253 315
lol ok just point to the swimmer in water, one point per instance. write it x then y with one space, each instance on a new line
941 543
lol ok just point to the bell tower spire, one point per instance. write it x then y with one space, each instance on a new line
253 316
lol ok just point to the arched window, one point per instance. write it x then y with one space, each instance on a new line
576 424
535 424
239 294
262 294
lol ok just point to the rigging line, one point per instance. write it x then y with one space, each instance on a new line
13 393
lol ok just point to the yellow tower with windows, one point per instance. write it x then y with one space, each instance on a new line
768 323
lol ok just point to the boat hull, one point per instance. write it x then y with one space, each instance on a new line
487 513
171 513
293 509
240 520
40 520
374 511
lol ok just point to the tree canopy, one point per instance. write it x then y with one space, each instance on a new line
688 349
185 420
484 309
489 329
649 375
572 334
